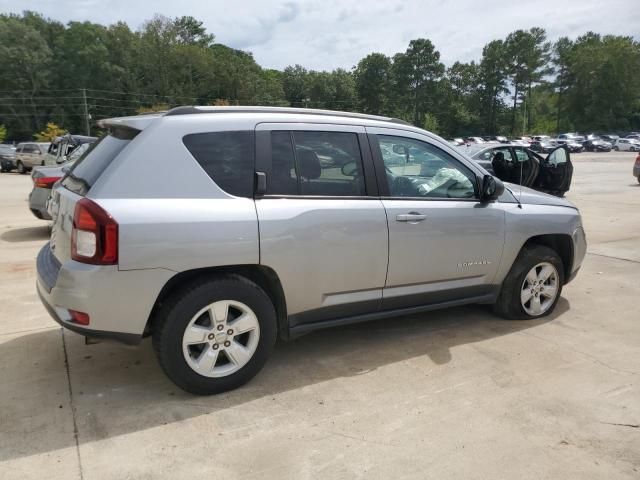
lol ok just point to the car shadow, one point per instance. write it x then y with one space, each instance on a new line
27 234
118 390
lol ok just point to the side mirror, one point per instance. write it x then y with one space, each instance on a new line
492 188
349 169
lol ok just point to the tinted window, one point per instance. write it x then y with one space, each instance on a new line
283 179
316 163
88 168
418 169
227 157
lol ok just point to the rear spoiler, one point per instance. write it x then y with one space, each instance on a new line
137 122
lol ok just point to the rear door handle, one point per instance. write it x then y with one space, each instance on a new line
411 217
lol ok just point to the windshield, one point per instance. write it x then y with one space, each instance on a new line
88 168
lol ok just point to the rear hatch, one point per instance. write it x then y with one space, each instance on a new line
77 183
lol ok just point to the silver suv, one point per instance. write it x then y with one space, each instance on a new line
216 230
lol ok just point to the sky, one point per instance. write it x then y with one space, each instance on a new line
327 34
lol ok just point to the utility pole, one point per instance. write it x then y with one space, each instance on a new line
86 112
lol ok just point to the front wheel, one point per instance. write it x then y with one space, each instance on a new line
533 286
215 335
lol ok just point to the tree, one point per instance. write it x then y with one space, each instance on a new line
3 133
492 79
527 54
49 133
561 58
416 75
372 82
294 85
23 48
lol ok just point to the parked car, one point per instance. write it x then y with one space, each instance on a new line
61 147
497 138
636 168
596 145
611 138
565 137
514 163
30 154
543 146
7 157
522 141
574 146
474 140
456 141
45 177
627 145
238 235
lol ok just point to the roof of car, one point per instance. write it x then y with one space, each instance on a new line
141 121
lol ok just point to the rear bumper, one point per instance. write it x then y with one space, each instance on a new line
38 203
118 303
7 164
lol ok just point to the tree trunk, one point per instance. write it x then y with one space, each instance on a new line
513 113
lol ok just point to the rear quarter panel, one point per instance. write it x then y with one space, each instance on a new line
170 213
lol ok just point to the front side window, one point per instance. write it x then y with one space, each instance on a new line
227 157
316 163
418 169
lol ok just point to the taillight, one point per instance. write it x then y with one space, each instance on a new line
94 238
45 182
79 317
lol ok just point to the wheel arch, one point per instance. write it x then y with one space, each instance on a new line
561 243
265 277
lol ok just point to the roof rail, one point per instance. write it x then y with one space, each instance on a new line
191 109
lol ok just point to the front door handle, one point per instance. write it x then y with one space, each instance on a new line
411 217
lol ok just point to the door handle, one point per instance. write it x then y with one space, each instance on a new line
411 217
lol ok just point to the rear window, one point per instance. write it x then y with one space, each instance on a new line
227 157
96 159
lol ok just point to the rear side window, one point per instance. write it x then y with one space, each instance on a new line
316 163
227 157
90 166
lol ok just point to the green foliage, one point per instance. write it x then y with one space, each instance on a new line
3 133
521 83
49 133
430 123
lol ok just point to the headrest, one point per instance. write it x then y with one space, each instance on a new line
309 164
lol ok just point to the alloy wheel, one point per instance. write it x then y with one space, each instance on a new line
539 289
221 338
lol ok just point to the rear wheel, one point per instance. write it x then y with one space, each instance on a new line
21 168
616 148
215 335
533 286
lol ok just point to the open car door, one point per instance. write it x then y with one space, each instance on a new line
555 172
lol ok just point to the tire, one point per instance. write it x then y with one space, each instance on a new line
21 168
180 359
509 304
616 148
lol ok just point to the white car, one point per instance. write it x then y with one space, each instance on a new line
627 145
